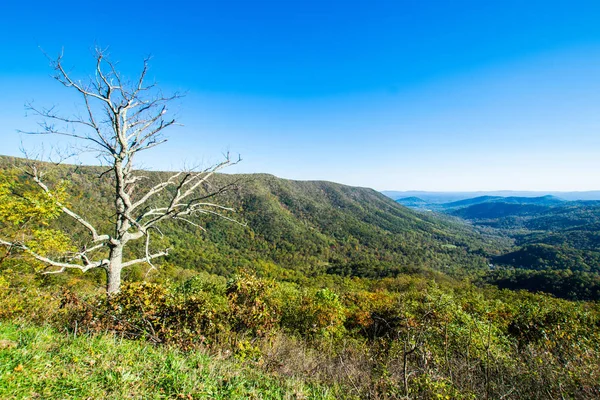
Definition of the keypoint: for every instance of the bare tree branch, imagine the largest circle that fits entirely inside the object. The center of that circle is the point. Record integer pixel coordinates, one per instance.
(62, 265)
(66, 210)
(145, 259)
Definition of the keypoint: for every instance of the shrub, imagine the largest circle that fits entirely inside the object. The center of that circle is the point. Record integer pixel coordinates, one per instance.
(253, 308)
(152, 312)
(204, 282)
(321, 313)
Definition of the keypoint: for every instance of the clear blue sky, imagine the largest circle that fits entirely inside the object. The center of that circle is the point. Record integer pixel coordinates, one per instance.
(398, 95)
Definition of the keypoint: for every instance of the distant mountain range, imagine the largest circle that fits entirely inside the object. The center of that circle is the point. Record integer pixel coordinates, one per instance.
(496, 205)
(547, 200)
(447, 197)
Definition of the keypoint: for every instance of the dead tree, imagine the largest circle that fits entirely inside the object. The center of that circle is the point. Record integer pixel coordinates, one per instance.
(121, 119)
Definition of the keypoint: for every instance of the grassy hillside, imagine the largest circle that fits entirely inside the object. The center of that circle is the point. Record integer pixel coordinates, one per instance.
(39, 362)
(249, 337)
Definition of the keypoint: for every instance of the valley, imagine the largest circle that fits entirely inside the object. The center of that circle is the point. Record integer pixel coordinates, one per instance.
(556, 241)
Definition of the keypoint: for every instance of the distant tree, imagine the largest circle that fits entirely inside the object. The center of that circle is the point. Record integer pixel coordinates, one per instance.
(121, 118)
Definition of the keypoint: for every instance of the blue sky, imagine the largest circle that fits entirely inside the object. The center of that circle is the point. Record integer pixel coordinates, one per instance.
(397, 95)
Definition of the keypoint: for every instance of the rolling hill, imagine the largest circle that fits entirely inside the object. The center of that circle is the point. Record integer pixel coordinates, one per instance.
(547, 200)
(301, 228)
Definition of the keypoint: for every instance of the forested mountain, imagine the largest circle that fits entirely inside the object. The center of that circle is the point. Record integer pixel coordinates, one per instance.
(304, 227)
(495, 210)
(301, 229)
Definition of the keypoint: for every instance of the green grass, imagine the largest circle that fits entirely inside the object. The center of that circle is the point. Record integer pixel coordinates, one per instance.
(38, 362)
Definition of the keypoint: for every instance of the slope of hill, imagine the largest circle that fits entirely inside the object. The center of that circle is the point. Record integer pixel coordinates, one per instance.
(544, 256)
(304, 228)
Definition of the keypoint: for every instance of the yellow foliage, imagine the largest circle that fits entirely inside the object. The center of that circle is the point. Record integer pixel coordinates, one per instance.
(26, 212)
(22, 202)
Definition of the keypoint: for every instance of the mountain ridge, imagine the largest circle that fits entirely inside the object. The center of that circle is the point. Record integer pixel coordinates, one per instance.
(447, 197)
(306, 227)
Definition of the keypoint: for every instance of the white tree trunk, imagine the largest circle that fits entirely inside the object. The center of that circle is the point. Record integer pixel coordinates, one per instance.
(113, 271)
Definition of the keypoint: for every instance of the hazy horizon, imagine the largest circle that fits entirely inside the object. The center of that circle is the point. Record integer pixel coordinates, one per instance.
(448, 197)
(489, 191)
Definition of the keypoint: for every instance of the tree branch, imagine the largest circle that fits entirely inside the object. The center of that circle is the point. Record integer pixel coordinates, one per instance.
(75, 216)
(146, 259)
(62, 265)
